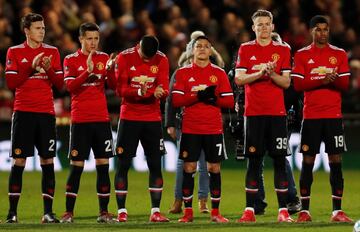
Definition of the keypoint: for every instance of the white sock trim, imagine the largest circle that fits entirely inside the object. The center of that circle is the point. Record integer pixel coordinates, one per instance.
(123, 210)
(281, 209)
(250, 208)
(335, 212)
(154, 210)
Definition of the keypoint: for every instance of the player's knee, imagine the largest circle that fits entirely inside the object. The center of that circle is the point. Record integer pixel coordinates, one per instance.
(214, 167)
(308, 159)
(190, 167)
(46, 161)
(20, 162)
(335, 158)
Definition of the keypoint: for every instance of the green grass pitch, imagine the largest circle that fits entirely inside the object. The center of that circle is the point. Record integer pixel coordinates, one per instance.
(138, 205)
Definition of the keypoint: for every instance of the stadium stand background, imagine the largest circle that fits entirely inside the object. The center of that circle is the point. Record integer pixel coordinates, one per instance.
(226, 22)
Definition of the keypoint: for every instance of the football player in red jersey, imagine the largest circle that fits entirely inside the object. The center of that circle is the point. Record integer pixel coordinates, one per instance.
(202, 89)
(142, 73)
(32, 68)
(321, 70)
(263, 67)
(86, 74)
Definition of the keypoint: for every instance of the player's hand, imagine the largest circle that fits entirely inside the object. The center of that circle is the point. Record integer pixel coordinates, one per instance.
(172, 132)
(36, 61)
(159, 92)
(90, 63)
(111, 61)
(46, 62)
(143, 89)
(331, 77)
(270, 68)
(207, 95)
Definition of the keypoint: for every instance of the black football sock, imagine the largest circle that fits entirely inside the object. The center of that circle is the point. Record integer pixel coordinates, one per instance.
(72, 186)
(280, 180)
(251, 182)
(188, 188)
(306, 179)
(215, 189)
(48, 186)
(103, 186)
(121, 181)
(337, 184)
(15, 185)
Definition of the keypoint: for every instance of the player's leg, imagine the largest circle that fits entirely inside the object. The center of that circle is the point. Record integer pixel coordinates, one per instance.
(278, 150)
(335, 145)
(103, 150)
(311, 137)
(260, 203)
(293, 201)
(203, 184)
(254, 151)
(215, 152)
(176, 206)
(153, 143)
(45, 142)
(126, 145)
(190, 148)
(22, 146)
(79, 150)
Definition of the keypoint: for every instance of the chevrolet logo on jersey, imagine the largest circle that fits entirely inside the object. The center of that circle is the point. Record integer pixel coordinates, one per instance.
(258, 67)
(321, 70)
(143, 79)
(198, 88)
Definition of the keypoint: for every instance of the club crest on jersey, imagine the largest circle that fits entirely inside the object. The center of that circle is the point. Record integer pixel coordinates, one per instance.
(321, 70)
(100, 66)
(305, 147)
(184, 154)
(17, 151)
(119, 150)
(74, 153)
(332, 60)
(213, 79)
(154, 69)
(275, 57)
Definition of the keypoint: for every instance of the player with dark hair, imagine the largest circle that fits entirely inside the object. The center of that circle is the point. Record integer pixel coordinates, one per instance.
(142, 74)
(202, 89)
(32, 68)
(321, 70)
(86, 74)
(263, 67)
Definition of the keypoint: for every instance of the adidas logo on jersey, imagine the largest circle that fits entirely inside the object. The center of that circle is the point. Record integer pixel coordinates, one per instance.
(133, 68)
(24, 60)
(81, 68)
(253, 58)
(311, 61)
(191, 79)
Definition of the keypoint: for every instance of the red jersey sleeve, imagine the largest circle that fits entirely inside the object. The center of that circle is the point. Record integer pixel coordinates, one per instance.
(55, 72)
(164, 76)
(122, 78)
(226, 96)
(342, 83)
(242, 61)
(15, 77)
(179, 96)
(73, 82)
(286, 64)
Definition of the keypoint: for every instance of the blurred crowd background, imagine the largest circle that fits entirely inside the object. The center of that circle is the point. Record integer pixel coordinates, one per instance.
(226, 22)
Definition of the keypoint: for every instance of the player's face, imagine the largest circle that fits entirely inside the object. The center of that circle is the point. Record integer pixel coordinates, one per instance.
(320, 33)
(36, 32)
(263, 27)
(202, 49)
(89, 41)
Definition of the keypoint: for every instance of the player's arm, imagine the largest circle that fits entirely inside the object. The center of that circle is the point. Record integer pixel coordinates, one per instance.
(73, 82)
(180, 97)
(14, 77)
(52, 66)
(162, 90)
(241, 78)
(343, 74)
(226, 95)
(110, 72)
(170, 111)
(282, 80)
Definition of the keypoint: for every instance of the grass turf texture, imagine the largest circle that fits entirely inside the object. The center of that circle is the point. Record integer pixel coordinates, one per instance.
(138, 205)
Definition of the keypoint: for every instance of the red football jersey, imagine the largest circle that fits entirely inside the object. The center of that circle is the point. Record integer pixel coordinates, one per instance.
(88, 101)
(311, 64)
(33, 90)
(198, 117)
(263, 97)
(132, 72)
